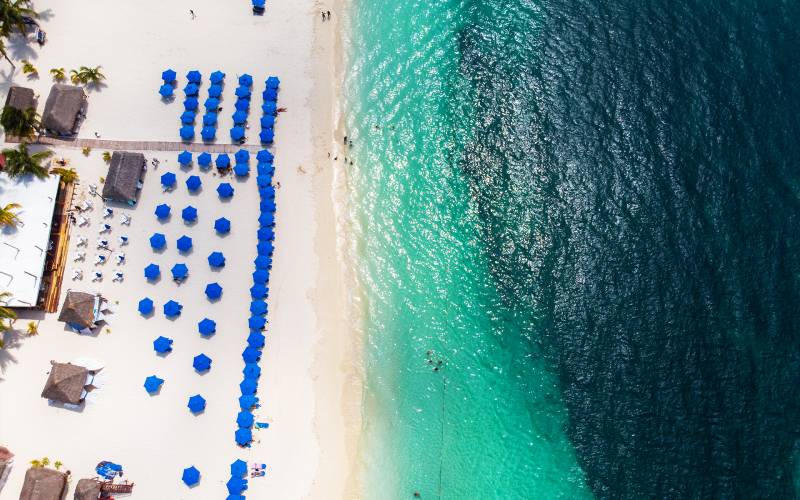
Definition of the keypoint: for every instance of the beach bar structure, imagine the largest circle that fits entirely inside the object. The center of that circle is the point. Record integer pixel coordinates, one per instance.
(81, 311)
(66, 383)
(21, 98)
(43, 484)
(63, 108)
(33, 254)
(124, 177)
(87, 489)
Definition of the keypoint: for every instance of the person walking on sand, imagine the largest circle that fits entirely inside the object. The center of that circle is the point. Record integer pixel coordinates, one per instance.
(323, 16)
(191, 13)
(329, 15)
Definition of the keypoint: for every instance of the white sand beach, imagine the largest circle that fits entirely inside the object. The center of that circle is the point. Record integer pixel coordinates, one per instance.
(309, 388)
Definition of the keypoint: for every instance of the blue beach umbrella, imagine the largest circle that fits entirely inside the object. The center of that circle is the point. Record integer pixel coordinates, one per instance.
(239, 117)
(196, 403)
(217, 77)
(204, 159)
(215, 91)
(256, 322)
(222, 225)
(187, 117)
(258, 307)
(237, 133)
(191, 476)
(194, 76)
(172, 308)
(190, 104)
(269, 108)
(168, 75)
(270, 95)
(242, 104)
(191, 90)
(242, 156)
(239, 467)
(242, 92)
(251, 370)
(267, 121)
(265, 169)
(207, 326)
(162, 344)
(189, 214)
(158, 241)
(208, 133)
(265, 248)
(184, 243)
(223, 161)
(225, 190)
(267, 206)
(179, 271)
(258, 4)
(213, 291)
(265, 156)
(241, 169)
(201, 363)
(185, 158)
(153, 384)
(210, 119)
(267, 192)
(187, 132)
(243, 437)
(267, 136)
(166, 90)
(247, 402)
(251, 355)
(193, 183)
(248, 386)
(168, 179)
(236, 485)
(152, 271)
(216, 259)
(272, 82)
(256, 339)
(211, 104)
(258, 291)
(246, 80)
(266, 220)
(263, 180)
(260, 276)
(146, 305)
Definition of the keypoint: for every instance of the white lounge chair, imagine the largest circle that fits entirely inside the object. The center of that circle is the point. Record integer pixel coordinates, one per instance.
(83, 241)
(79, 256)
(125, 219)
(99, 259)
(106, 228)
(98, 276)
(108, 212)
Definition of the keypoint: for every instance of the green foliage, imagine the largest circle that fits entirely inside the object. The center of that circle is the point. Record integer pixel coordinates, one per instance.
(20, 161)
(9, 217)
(6, 313)
(87, 75)
(58, 74)
(86, 150)
(106, 156)
(68, 175)
(28, 68)
(20, 123)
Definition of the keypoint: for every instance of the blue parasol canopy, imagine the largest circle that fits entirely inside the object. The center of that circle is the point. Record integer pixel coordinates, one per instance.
(270, 95)
(172, 308)
(243, 437)
(263, 180)
(201, 362)
(248, 386)
(242, 156)
(210, 119)
(193, 183)
(265, 248)
(184, 243)
(153, 384)
(166, 90)
(269, 108)
(191, 89)
(266, 220)
(264, 156)
(168, 75)
(267, 136)
(256, 322)
(194, 76)
(225, 190)
(146, 304)
(217, 77)
(179, 271)
(258, 307)
(267, 206)
(239, 117)
(208, 133)
(247, 402)
(256, 339)
(258, 291)
(246, 80)
(267, 121)
(158, 241)
(259, 4)
(187, 132)
(215, 91)
(187, 117)
(237, 133)
(162, 344)
(239, 467)
(267, 192)
(223, 161)
(236, 485)
(185, 157)
(168, 179)
(211, 104)
(204, 159)
(222, 225)
(213, 291)
(242, 92)
(206, 326)
(190, 104)
(260, 276)
(216, 259)
(242, 104)
(251, 355)
(191, 476)
(265, 169)
(197, 403)
(241, 169)
(189, 213)
(251, 370)
(152, 271)
(273, 82)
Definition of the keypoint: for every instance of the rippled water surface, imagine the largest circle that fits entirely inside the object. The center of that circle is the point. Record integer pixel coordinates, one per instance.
(588, 212)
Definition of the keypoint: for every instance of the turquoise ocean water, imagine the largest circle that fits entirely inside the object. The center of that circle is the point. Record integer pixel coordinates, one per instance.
(576, 232)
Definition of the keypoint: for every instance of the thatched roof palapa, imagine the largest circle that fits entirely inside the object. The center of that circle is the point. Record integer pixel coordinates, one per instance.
(78, 309)
(87, 489)
(65, 383)
(21, 98)
(43, 484)
(62, 108)
(124, 174)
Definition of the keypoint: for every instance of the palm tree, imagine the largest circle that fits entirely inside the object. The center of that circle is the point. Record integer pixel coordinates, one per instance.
(58, 74)
(68, 175)
(20, 123)
(9, 217)
(29, 69)
(74, 76)
(20, 161)
(6, 313)
(87, 75)
(13, 16)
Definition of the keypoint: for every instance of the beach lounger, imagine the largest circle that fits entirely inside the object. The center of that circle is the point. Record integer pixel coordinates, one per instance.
(79, 256)
(82, 221)
(83, 241)
(77, 274)
(98, 276)
(108, 212)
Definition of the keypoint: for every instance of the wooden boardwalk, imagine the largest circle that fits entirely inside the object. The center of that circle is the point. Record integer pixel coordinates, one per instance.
(112, 145)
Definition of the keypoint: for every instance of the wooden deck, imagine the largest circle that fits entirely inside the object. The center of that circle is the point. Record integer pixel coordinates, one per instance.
(113, 145)
(57, 257)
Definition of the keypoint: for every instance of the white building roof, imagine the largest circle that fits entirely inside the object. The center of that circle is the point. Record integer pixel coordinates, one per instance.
(23, 250)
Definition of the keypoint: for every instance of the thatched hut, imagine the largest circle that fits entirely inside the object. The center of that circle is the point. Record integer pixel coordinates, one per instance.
(124, 177)
(87, 489)
(61, 111)
(43, 484)
(21, 98)
(65, 383)
(80, 310)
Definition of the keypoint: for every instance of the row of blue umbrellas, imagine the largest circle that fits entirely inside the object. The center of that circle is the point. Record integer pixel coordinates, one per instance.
(270, 96)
